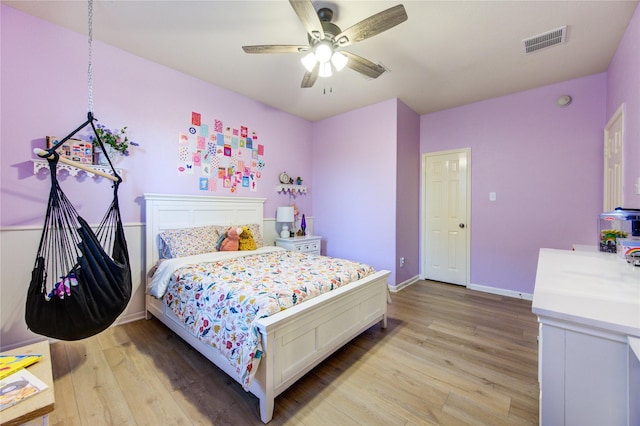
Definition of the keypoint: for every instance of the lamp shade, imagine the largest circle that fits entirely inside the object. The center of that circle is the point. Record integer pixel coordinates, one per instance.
(309, 61)
(339, 61)
(325, 69)
(284, 214)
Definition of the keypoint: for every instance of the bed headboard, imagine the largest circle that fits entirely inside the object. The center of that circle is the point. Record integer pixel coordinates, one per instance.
(168, 211)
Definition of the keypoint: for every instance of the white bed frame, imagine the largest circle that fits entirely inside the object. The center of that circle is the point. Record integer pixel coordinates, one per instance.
(295, 340)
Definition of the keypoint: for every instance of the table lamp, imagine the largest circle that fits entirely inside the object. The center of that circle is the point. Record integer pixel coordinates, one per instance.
(284, 215)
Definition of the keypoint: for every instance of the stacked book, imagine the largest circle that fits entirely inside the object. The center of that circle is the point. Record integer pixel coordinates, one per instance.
(16, 382)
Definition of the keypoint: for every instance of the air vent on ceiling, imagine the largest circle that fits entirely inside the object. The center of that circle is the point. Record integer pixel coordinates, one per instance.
(548, 39)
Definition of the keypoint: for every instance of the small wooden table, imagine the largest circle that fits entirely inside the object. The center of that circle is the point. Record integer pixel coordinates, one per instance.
(36, 408)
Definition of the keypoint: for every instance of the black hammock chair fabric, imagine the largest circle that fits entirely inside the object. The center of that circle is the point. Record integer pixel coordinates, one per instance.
(78, 288)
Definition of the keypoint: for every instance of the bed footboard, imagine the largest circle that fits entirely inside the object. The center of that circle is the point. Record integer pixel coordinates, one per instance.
(298, 339)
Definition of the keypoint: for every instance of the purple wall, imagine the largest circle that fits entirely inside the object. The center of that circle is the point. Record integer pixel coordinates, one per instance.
(623, 86)
(354, 177)
(44, 92)
(407, 194)
(366, 186)
(543, 162)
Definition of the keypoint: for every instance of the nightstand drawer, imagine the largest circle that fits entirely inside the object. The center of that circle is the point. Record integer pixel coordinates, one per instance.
(309, 244)
(308, 247)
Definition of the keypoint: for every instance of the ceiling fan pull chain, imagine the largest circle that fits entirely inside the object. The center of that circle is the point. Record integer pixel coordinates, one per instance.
(90, 69)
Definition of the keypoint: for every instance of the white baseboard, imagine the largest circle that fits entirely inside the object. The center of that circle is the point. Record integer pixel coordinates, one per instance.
(475, 287)
(135, 316)
(501, 291)
(396, 288)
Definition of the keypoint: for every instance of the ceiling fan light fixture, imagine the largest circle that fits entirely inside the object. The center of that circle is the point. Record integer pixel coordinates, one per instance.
(323, 52)
(339, 60)
(324, 38)
(309, 61)
(325, 69)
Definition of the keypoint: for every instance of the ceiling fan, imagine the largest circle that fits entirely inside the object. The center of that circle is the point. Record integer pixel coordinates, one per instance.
(326, 41)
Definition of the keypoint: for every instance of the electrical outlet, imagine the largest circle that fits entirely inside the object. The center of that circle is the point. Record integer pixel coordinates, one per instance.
(402, 261)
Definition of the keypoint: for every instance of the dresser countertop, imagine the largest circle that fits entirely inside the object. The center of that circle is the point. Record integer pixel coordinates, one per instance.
(588, 287)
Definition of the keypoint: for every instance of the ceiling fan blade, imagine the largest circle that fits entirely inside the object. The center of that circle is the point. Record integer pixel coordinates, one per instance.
(266, 48)
(309, 17)
(310, 77)
(363, 66)
(373, 25)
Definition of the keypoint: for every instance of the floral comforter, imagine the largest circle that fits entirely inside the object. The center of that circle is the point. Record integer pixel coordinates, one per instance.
(220, 300)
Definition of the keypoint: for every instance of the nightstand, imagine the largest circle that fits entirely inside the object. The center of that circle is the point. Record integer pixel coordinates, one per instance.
(307, 244)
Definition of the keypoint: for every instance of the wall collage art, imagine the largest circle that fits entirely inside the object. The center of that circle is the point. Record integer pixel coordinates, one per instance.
(223, 157)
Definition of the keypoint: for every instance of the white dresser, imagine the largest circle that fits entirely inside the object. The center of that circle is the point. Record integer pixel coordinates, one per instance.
(307, 244)
(588, 307)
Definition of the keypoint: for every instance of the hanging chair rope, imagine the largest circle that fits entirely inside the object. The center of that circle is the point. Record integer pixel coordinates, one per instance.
(81, 280)
(90, 67)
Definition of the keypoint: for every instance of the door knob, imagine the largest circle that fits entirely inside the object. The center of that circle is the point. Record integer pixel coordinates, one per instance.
(461, 225)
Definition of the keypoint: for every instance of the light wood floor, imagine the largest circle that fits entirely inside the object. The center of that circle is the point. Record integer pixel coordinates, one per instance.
(450, 356)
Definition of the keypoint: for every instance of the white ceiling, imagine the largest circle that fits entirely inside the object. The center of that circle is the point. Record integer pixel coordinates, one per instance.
(447, 54)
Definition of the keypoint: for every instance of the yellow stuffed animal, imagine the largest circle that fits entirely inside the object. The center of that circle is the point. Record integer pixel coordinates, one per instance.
(246, 240)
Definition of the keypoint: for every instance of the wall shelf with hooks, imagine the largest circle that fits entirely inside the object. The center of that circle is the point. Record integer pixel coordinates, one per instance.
(299, 189)
(73, 171)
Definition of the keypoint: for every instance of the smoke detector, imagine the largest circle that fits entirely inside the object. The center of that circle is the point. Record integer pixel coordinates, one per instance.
(563, 101)
(544, 40)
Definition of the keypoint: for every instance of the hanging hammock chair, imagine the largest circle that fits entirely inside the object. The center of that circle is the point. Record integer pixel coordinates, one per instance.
(81, 280)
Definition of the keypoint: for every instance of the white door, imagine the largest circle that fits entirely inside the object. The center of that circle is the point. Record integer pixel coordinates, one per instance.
(613, 161)
(445, 207)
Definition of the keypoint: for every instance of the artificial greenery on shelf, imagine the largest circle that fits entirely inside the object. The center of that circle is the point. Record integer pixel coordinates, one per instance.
(118, 139)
